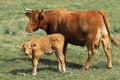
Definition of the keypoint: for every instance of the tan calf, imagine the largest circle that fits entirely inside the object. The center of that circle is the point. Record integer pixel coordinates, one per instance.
(48, 44)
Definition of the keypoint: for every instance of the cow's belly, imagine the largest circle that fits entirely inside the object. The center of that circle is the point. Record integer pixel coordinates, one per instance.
(76, 40)
(72, 34)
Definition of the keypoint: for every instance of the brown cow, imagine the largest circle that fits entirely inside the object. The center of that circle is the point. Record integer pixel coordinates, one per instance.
(48, 44)
(80, 28)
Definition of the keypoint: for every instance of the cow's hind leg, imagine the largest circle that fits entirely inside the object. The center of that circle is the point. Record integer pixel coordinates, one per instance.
(106, 47)
(90, 54)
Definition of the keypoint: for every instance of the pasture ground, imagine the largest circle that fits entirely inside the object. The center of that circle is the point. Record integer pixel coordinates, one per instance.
(14, 65)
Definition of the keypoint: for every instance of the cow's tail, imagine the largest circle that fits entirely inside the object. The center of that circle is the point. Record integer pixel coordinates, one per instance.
(106, 21)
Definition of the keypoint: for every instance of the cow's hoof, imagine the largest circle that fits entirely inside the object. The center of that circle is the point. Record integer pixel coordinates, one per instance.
(109, 67)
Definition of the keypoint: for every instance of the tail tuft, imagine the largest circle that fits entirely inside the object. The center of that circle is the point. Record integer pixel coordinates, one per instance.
(113, 40)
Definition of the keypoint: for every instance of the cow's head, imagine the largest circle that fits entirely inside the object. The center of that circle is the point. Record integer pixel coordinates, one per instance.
(35, 20)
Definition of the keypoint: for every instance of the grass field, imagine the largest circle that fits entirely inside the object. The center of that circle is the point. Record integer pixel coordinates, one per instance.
(16, 66)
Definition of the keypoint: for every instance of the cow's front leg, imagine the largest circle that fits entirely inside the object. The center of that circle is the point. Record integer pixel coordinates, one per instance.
(64, 50)
(90, 54)
(34, 64)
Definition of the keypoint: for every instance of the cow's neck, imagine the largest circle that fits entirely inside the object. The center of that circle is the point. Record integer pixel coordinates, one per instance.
(48, 30)
(46, 27)
(50, 23)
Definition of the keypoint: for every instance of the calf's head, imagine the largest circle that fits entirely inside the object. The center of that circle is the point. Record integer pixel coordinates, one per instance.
(28, 49)
(35, 20)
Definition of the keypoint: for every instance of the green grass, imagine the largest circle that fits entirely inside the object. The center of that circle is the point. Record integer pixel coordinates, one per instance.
(13, 64)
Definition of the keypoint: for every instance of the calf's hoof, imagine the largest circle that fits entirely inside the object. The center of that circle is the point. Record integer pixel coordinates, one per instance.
(86, 67)
(34, 74)
(63, 71)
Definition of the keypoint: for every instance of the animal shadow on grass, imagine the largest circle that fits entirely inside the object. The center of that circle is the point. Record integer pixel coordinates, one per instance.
(54, 63)
(44, 62)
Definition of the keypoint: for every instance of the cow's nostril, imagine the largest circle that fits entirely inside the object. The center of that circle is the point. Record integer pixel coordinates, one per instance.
(27, 30)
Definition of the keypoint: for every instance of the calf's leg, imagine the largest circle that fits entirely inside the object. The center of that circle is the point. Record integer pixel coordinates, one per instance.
(59, 64)
(61, 61)
(34, 64)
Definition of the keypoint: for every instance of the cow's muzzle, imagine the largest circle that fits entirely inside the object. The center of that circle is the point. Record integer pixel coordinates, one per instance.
(29, 30)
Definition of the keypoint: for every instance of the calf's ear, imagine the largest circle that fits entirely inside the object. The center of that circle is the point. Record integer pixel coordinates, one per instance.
(20, 45)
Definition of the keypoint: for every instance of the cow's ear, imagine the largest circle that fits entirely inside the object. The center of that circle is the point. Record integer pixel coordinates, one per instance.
(40, 17)
(20, 45)
(28, 14)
